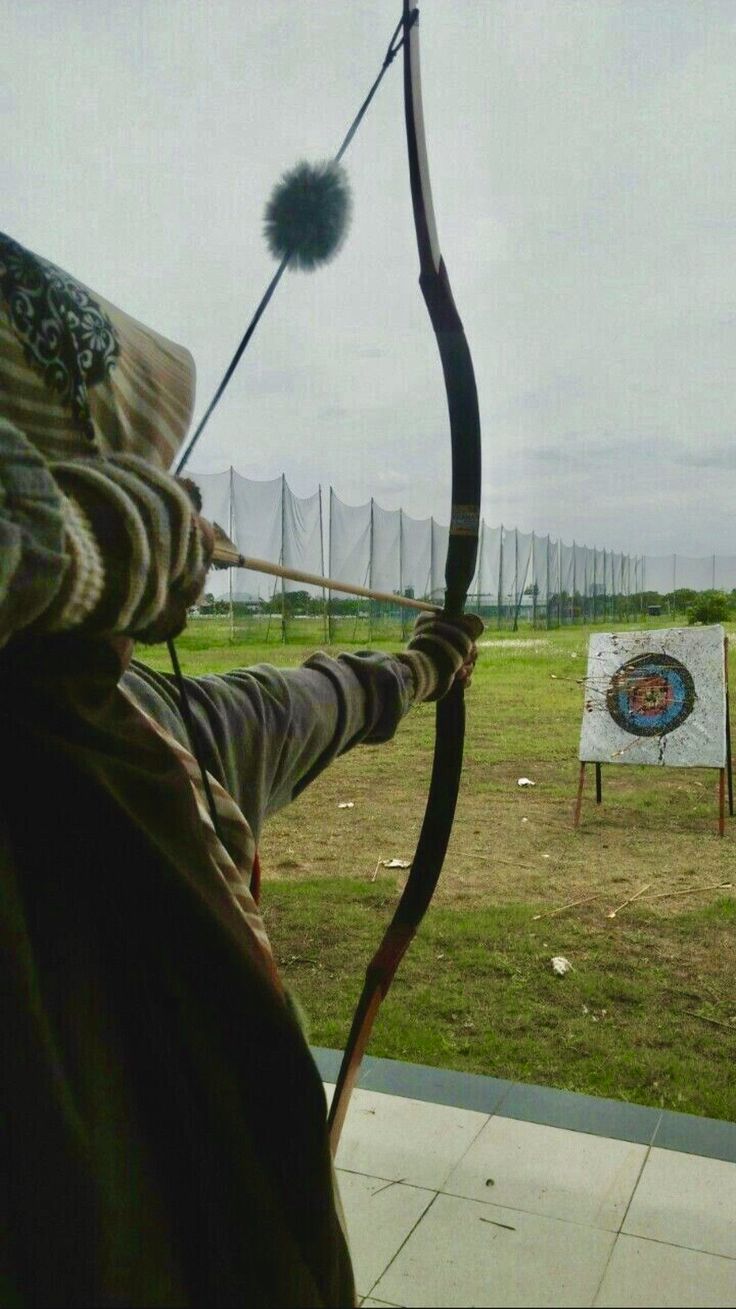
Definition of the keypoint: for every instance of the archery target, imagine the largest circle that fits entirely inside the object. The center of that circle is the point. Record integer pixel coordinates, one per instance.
(656, 697)
(650, 695)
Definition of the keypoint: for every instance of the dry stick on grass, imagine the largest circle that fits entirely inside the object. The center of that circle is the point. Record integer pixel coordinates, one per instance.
(549, 913)
(375, 870)
(612, 912)
(515, 863)
(731, 1027)
(690, 890)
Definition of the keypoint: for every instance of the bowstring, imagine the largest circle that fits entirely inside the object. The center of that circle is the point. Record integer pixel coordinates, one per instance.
(392, 50)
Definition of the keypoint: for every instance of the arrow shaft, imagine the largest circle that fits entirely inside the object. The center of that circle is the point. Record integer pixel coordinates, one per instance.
(225, 556)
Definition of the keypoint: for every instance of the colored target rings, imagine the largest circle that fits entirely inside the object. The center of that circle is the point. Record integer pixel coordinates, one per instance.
(651, 695)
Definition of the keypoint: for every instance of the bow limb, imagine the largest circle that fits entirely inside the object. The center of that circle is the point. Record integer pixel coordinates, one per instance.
(462, 401)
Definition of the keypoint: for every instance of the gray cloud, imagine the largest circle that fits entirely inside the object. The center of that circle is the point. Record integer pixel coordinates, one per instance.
(582, 160)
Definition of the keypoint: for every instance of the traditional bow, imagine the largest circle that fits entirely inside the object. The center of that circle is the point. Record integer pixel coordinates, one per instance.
(462, 400)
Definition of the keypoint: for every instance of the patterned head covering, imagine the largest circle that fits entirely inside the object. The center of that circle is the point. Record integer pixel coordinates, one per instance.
(77, 375)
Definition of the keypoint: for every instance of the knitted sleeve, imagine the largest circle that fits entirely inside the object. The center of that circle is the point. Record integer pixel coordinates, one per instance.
(146, 529)
(35, 525)
(105, 544)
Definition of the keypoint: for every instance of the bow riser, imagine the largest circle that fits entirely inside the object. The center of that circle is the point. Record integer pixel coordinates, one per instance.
(462, 401)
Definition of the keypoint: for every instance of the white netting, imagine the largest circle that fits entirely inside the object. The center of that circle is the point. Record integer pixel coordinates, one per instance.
(350, 541)
(257, 532)
(216, 501)
(485, 582)
(416, 556)
(440, 537)
(302, 538)
(518, 576)
(385, 567)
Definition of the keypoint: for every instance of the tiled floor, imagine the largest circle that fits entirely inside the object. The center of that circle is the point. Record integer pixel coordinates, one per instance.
(449, 1205)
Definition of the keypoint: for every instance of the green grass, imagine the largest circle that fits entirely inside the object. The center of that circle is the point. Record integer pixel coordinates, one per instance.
(476, 990)
(477, 993)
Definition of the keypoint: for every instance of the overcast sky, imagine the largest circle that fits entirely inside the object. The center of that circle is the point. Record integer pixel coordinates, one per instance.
(583, 168)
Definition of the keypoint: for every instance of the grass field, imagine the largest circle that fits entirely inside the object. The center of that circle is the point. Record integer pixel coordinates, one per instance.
(648, 1012)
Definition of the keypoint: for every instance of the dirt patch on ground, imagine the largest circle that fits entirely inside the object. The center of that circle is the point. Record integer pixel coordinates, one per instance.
(511, 844)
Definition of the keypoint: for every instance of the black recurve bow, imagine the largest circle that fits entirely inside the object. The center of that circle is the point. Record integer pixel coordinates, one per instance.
(462, 401)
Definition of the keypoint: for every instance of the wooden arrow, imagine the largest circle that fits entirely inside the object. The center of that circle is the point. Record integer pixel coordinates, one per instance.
(227, 555)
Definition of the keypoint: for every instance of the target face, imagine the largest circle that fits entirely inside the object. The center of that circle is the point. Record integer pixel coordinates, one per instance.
(656, 697)
(651, 695)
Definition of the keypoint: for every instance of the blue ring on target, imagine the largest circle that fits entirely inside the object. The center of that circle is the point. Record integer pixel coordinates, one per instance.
(651, 695)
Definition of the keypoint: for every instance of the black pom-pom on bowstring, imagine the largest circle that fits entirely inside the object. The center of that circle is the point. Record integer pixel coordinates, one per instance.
(308, 214)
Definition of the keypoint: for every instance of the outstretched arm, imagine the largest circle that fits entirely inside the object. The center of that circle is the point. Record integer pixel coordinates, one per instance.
(265, 733)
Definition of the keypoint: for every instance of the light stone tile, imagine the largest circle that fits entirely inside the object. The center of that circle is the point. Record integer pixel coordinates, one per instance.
(649, 1273)
(405, 1140)
(467, 1253)
(379, 1215)
(686, 1200)
(549, 1170)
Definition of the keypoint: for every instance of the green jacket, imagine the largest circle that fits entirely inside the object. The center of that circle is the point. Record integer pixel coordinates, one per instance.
(163, 1121)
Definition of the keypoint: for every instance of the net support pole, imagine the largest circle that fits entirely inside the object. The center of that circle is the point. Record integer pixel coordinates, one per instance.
(325, 617)
(500, 577)
(521, 591)
(549, 624)
(401, 570)
(282, 561)
(371, 531)
(330, 566)
(230, 529)
(534, 583)
(481, 542)
(595, 582)
(516, 579)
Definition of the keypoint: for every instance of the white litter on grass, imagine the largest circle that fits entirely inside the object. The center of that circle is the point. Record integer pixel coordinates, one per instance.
(561, 965)
(346, 804)
(525, 781)
(390, 863)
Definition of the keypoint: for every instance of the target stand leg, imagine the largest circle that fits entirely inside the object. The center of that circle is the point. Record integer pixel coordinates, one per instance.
(729, 756)
(722, 802)
(729, 762)
(598, 784)
(579, 799)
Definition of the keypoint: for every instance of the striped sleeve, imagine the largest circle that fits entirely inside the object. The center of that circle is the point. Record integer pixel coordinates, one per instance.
(33, 558)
